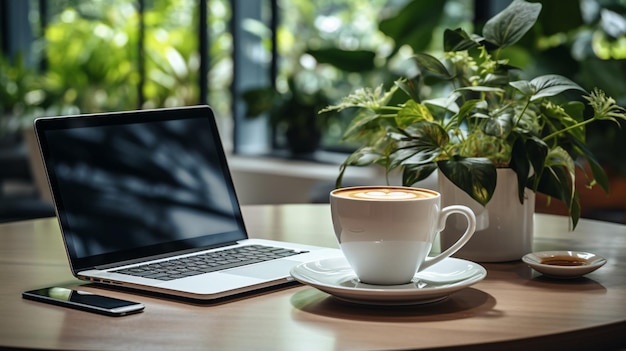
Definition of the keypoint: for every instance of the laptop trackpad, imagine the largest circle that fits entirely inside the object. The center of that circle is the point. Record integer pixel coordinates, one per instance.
(267, 270)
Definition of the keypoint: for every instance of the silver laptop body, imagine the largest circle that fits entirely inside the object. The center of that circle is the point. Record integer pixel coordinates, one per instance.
(132, 188)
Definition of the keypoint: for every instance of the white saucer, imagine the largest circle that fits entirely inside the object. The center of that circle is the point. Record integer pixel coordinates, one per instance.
(589, 263)
(335, 276)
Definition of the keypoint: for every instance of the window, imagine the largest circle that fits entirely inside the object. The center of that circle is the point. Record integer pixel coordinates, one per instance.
(323, 50)
(103, 55)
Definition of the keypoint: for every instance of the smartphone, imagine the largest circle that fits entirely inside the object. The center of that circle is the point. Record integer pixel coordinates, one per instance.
(83, 300)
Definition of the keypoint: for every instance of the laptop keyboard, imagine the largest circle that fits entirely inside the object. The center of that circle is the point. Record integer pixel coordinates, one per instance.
(208, 262)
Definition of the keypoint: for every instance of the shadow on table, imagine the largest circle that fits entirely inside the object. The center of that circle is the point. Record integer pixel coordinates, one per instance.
(534, 279)
(582, 283)
(465, 303)
(524, 275)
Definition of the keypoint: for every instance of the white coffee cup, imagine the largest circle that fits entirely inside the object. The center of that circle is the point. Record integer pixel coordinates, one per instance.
(387, 232)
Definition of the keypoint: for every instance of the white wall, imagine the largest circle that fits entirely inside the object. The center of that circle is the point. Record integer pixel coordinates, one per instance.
(260, 180)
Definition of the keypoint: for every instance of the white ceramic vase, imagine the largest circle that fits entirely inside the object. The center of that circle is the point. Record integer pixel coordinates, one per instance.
(504, 228)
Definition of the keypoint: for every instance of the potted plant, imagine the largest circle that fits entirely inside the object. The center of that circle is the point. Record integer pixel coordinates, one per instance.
(471, 114)
(293, 111)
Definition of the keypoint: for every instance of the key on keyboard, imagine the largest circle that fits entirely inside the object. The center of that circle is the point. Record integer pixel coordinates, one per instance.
(208, 262)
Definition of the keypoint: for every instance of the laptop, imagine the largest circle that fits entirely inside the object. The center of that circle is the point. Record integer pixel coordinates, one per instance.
(139, 194)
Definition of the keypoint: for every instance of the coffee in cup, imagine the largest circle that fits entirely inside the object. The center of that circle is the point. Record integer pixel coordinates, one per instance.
(387, 232)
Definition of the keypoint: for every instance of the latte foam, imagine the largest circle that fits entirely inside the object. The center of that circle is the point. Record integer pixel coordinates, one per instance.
(383, 194)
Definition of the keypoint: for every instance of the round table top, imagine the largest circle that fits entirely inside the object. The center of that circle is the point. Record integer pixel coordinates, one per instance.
(514, 307)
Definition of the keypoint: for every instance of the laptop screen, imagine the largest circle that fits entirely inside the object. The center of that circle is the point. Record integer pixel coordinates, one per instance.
(136, 184)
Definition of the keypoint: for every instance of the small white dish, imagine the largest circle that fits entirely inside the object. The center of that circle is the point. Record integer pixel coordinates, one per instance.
(335, 276)
(564, 264)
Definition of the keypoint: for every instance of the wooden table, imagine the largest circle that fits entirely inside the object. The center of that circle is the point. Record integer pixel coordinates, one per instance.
(513, 308)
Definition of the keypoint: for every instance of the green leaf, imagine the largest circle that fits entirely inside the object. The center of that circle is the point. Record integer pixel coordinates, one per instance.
(562, 119)
(428, 133)
(551, 183)
(346, 60)
(432, 64)
(411, 87)
(476, 176)
(551, 85)
(536, 151)
(412, 112)
(523, 86)
(364, 156)
(511, 24)
(413, 173)
(545, 86)
(500, 125)
(496, 79)
(464, 111)
(422, 143)
(457, 40)
(557, 156)
(481, 89)
(575, 209)
(362, 118)
(521, 165)
(599, 175)
(447, 103)
(414, 156)
(558, 181)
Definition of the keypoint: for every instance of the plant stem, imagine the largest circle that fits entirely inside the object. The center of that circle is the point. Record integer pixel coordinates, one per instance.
(387, 115)
(559, 132)
(519, 118)
(391, 108)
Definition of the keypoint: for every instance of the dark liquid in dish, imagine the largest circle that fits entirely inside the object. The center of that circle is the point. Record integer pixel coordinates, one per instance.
(564, 261)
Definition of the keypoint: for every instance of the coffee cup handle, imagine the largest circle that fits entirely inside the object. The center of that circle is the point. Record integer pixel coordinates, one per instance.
(471, 228)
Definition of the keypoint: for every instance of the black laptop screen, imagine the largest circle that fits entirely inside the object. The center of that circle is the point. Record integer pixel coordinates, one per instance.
(133, 185)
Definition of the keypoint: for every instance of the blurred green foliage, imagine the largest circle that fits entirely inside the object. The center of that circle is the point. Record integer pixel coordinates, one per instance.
(330, 47)
(92, 55)
(18, 92)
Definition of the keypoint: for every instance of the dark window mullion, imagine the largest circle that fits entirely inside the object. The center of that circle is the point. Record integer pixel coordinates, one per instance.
(141, 57)
(233, 88)
(274, 22)
(4, 28)
(43, 24)
(203, 45)
(16, 31)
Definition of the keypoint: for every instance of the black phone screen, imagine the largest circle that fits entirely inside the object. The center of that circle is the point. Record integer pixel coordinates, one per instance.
(83, 300)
